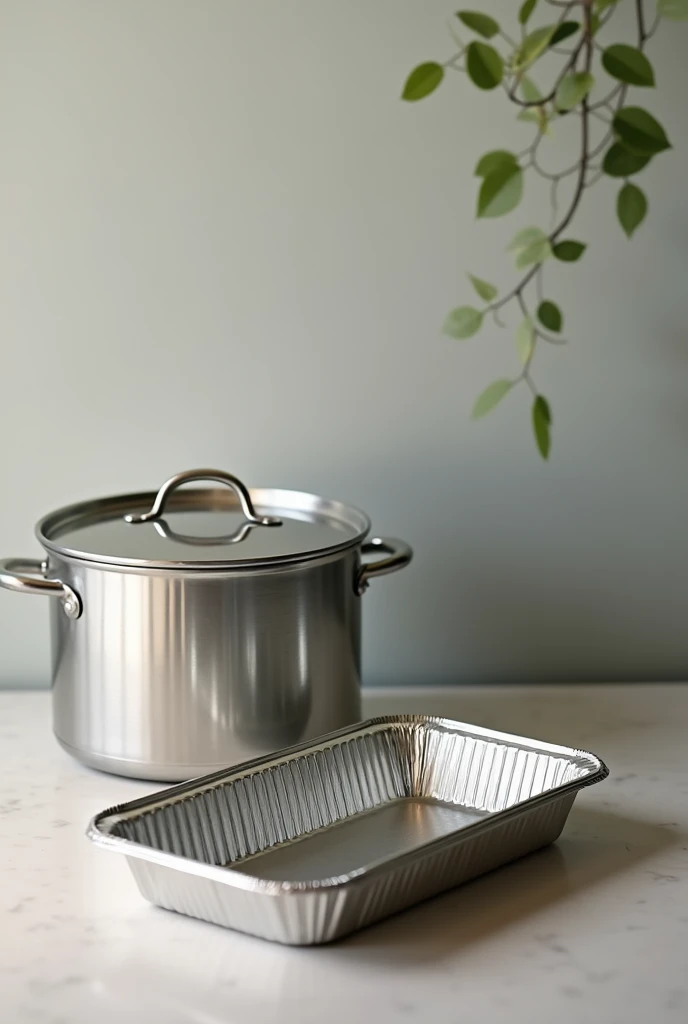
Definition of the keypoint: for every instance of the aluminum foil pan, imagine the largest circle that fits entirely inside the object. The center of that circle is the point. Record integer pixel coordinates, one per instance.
(310, 844)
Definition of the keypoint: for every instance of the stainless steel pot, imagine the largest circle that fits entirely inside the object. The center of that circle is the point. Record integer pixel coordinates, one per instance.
(197, 628)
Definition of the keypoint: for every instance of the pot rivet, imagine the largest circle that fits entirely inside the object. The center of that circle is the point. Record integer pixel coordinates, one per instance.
(71, 605)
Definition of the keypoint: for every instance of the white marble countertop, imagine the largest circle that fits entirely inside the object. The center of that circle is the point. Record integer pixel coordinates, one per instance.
(594, 928)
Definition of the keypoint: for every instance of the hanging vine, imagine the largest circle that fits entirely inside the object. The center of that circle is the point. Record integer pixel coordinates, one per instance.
(631, 138)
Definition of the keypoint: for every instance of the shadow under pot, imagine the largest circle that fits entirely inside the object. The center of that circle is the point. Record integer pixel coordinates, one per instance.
(196, 628)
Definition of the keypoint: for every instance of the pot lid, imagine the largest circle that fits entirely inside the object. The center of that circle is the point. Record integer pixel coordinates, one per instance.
(203, 528)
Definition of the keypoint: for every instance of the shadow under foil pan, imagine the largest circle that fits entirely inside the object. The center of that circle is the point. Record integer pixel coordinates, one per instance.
(309, 844)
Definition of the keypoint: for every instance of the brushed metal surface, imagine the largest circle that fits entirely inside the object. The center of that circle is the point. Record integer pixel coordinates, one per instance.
(305, 846)
(196, 628)
(168, 676)
(354, 843)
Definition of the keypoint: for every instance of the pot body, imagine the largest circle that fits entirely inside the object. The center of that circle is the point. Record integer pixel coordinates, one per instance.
(167, 675)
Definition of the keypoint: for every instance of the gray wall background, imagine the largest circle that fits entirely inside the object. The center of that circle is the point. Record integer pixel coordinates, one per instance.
(224, 241)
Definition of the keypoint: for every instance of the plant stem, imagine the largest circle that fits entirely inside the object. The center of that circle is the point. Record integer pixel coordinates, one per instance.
(641, 21)
(655, 26)
(570, 63)
(582, 164)
(526, 376)
(452, 62)
(526, 366)
(580, 184)
(607, 99)
(548, 339)
(554, 201)
(517, 291)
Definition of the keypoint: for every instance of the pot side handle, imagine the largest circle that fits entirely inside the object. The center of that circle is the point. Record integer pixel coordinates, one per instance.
(12, 577)
(398, 555)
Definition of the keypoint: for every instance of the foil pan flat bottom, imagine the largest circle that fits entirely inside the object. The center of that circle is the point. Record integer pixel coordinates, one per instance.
(370, 837)
(309, 844)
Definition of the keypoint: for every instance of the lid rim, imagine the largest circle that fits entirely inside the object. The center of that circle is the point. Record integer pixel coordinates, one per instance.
(286, 561)
(100, 510)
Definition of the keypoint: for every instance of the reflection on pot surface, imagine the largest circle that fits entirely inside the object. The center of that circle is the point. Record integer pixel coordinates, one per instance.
(197, 628)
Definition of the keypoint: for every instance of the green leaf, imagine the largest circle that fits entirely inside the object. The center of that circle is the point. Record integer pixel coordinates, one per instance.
(491, 161)
(526, 10)
(484, 65)
(501, 191)
(531, 245)
(542, 420)
(569, 250)
(538, 116)
(639, 131)
(486, 291)
(529, 90)
(675, 10)
(573, 89)
(525, 339)
(631, 207)
(533, 46)
(602, 5)
(422, 81)
(563, 31)
(619, 162)
(491, 396)
(524, 237)
(462, 322)
(480, 23)
(595, 22)
(536, 253)
(628, 65)
(550, 316)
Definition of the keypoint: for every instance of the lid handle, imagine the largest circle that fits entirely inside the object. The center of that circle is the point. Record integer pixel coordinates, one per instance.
(215, 475)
